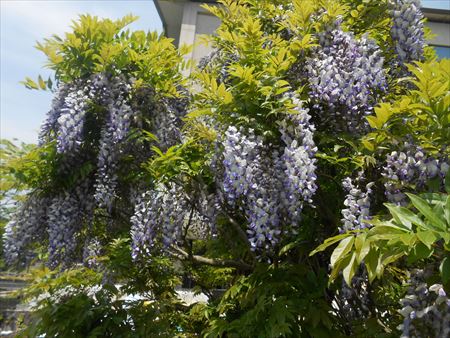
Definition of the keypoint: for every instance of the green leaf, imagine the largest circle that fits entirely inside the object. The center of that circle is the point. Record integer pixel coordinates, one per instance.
(434, 198)
(49, 83)
(386, 231)
(338, 268)
(30, 84)
(342, 249)
(328, 242)
(447, 210)
(350, 269)
(354, 13)
(403, 216)
(420, 251)
(41, 82)
(372, 260)
(287, 248)
(427, 237)
(362, 246)
(444, 268)
(425, 209)
(408, 239)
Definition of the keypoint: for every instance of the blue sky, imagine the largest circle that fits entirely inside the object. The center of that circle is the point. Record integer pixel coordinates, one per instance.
(25, 22)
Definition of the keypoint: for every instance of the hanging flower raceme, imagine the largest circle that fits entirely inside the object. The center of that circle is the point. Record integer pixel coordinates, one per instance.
(407, 31)
(113, 134)
(70, 123)
(357, 203)
(50, 123)
(160, 214)
(262, 201)
(239, 153)
(426, 310)
(411, 167)
(269, 182)
(164, 215)
(104, 103)
(92, 250)
(64, 222)
(298, 162)
(167, 121)
(26, 226)
(346, 79)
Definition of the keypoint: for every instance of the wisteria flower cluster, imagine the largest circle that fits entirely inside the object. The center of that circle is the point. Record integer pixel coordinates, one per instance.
(412, 166)
(167, 120)
(91, 251)
(220, 61)
(71, 119)
(64, 223)
(270, 183)
(60, 218)
(113, 134)
(357, 203)
(407, 31)
(355, 299)
(57, 219)
(426, 309)
(299, 164)
(346, 79)
(27, 225)
(161, 214)
(50, 123)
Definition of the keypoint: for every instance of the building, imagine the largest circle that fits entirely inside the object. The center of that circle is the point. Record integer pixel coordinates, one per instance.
(185, 21)
(439, 23)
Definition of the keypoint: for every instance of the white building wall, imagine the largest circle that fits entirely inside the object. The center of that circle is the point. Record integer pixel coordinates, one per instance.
(195, 23)
(441, 31)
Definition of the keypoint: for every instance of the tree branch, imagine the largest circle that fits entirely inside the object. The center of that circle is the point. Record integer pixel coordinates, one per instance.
(238, 228)
(213, 261)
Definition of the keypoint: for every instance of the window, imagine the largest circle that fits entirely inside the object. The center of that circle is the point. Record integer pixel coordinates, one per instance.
(442, 52)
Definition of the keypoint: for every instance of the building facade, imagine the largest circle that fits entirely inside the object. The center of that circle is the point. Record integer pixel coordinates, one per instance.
(186, 21)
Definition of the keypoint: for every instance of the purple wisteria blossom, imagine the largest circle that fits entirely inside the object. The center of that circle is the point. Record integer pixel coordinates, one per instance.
(58, 104)
(411, 168)
(113, 134)
(167, 121)
(426, 309)
(357, 203)
(262, 201)
(91, 251)
(160, 214)
(64, 222)
(407, 31)
(270, 182)
(70, 123)
(346, 79)
(299, 164)
(240, 151)
(26, 226)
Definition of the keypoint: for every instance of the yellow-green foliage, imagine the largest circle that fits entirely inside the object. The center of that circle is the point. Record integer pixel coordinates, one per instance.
(422, 112)
(103, 45)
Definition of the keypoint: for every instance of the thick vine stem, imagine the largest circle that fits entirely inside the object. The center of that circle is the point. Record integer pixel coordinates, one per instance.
(180, 253)
(238, 229)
